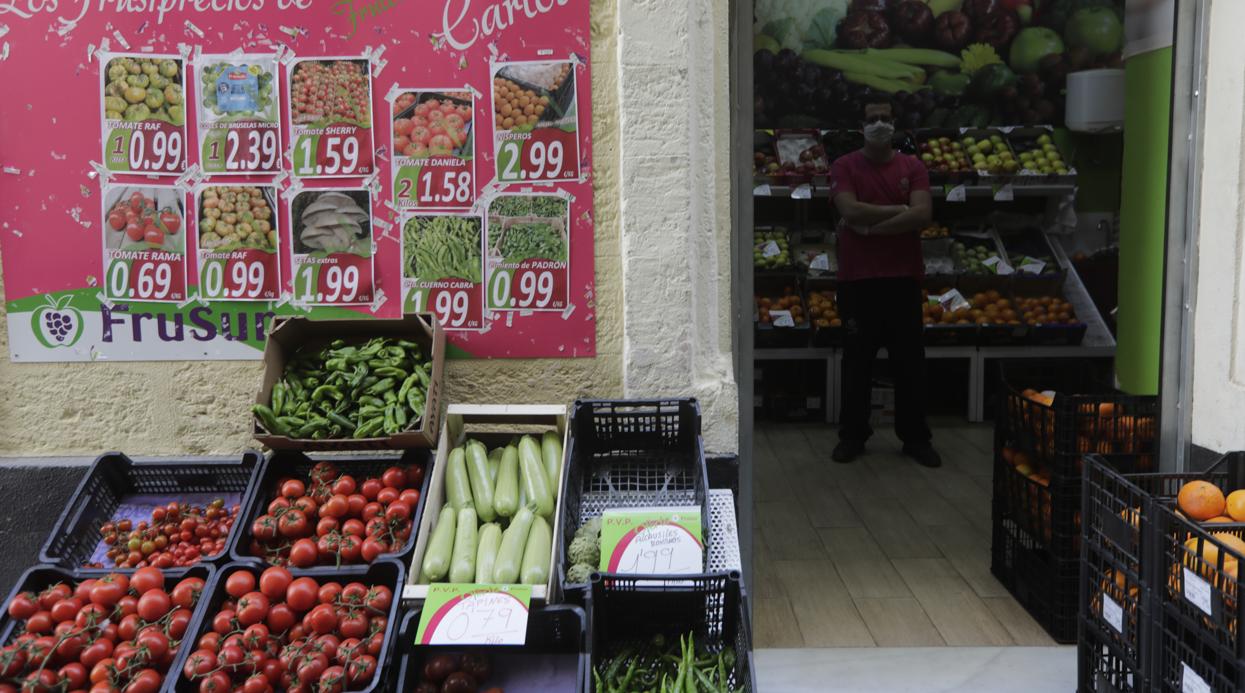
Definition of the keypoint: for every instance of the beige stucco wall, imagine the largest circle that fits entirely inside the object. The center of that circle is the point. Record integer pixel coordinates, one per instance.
(202, 407)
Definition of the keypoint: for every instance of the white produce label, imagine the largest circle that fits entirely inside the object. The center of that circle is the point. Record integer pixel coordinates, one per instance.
(1190, 682)
(821, 262)
(770, 250)
(1197, 591)
(1113, 614)
(781, 318)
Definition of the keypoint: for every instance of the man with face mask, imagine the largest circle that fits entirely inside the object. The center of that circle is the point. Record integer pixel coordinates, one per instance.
(883, 201)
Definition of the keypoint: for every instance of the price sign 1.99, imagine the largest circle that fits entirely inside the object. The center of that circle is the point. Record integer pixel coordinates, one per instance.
(339, 279)
(458, 305)
(532, 285)
(545, 154)
(247, 274)
(145, 275)
(242, 148)
(152, 146)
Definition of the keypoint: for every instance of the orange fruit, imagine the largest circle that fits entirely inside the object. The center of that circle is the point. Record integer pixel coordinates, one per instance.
(1201, 500)
(1219, 519)
(1236, 505)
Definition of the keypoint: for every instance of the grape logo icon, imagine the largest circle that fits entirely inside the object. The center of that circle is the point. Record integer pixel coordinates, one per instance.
(57, 324)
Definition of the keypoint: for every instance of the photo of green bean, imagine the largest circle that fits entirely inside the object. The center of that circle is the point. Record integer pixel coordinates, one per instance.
(442, 247)
(532, 239)
(526, 227)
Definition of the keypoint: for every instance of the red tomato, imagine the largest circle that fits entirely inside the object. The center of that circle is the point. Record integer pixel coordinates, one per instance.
(370, 488)
(252, 608)
(178, 622)
(23, 606)
(199, 664)
(154, 604)
(134, 231)
(415, 476)
(306, 504)
(372, 510)
(108, 590)
(116, 220)
(395, 477)
(379, 598)
(312, 667)
(274, 581)
(264, 527)
(278, 504)
(374, 643)
(255, 637)
(70, 646)
(186, 592)
(127, 605)
(372, 548)
(40, 622)
(350, 548)
(357, 503)
(156, 642)
(337, 506)
(239, 583)
(410, 496)
(280, 618)
(74, 674)
(293, 523)
(303, 553)
(397, 511)
(153, 235)
(333, 680)
(353, 625)
(329, 593)
(57, 592)
(210, 641)
(293, 488)
(302, 594)
(222, 622)
(323, 472)
(137, 201)
(326, 525)
(344, 485)
(402, 126)
(95, 652)
(362, 669)
(66, 609)
(145, 681)
(216, 683)
(170, 220)
(256, 683)
(127, 628)
(322, 619)
(353, 526)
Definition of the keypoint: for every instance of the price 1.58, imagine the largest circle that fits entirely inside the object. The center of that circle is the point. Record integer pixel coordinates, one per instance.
(436, 188)
(159, 151)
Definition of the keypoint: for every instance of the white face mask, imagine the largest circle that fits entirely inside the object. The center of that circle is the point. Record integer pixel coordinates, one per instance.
(879, 132)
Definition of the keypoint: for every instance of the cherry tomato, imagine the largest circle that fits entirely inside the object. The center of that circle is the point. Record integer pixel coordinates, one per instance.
(102, 670)
(154, 604)
(256, 683)
(303, 553)
(374, 643)
(326, 525)
(127, 627)
(70, 646)
(274, 581)
(302, 594)
(293, 488)
(210, 641)
(83, 590)
(355, 527)
(350, 548)
(239, 583)
(252, 608)
(394, 477)
(146, 579)
(255, 637)
(312, 667)
(280, 618)
(186, 592)
(126, 605)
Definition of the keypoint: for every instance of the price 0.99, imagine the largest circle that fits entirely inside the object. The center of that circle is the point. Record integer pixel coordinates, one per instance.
(148, 281)
(151, 150)
(534, 289)
(246, 280)
(542, 161)
(249, 150)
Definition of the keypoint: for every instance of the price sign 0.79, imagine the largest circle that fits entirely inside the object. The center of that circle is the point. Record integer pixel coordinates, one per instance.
(144, 114)
(466, 614)
(331, 118)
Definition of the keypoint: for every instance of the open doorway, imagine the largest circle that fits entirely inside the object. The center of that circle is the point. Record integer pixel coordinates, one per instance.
(1036, 262)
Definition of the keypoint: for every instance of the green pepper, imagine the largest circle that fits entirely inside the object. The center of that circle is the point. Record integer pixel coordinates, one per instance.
(369, 411)
(269, 420)
(341, 421)
(390, 397)
(370, 427)
(390, 372)
(415, 398)
(326, 391)
(407, 385)
(278, 398)
(399, 415)
(382, 385)
(374, 401)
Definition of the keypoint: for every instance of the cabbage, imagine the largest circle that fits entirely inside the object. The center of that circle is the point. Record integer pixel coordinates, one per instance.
(800, 24)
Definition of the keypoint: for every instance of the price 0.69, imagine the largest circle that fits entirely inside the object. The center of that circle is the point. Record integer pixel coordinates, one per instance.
(144, 280)
(150, 150)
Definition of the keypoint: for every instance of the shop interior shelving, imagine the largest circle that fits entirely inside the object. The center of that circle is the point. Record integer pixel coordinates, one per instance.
(1097, 343)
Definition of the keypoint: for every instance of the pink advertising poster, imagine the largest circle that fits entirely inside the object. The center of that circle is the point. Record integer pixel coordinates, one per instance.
(176, 173)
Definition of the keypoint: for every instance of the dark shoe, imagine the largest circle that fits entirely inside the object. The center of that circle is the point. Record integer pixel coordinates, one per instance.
(924, 454)
(847, 450)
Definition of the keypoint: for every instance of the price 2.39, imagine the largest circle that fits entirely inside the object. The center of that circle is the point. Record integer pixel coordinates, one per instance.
(341, 156)
(454, 188)
(534, 289)
(151, 150)
(249, 150)
(339, 285)
(152, 280)
(543, 161)
(246, 280)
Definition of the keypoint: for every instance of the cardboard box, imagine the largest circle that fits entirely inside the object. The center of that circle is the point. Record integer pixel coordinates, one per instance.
(290, 334)
(494, 425)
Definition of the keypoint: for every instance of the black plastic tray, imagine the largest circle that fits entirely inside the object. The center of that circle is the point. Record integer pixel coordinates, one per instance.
(554, 629)
(631, 609)
(114, 477)
(40, 577)
(630, 453)
(389, 573)
(293, 463)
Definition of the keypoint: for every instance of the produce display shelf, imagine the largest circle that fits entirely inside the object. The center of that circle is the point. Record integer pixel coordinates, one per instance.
(723, 545)
(1019, 189)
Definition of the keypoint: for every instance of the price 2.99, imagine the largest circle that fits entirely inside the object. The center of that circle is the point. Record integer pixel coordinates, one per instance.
(543, 161)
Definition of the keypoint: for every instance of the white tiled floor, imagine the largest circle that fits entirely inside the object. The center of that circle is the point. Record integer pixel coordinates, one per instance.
(917, 670)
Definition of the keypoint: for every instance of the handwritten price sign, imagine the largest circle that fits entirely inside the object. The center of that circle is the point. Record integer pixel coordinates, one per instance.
(652, 541)
(152, 146)
(241, 148)
(247, 274)
(341, 279)
(545, 154)
(474, 615)
(533, 284)
(145, 275)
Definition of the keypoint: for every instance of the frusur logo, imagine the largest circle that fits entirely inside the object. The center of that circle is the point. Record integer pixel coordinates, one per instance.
(56, 323)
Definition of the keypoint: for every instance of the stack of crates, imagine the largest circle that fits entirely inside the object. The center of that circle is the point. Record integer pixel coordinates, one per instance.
(1049, 419)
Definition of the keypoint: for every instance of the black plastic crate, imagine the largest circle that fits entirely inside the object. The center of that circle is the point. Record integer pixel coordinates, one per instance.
(1047, 511)
(40, 577)
(627, 454)
(949, 335)
(296, 464)
(115, 483)
(1186, 662)
(1086, 416)
(389, 573)
(630, 610)
(1104, 668)
(557, 637)
(1200, 586)
(1047, 587)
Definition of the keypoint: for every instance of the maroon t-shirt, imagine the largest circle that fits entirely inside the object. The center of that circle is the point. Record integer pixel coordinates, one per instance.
(891, 183)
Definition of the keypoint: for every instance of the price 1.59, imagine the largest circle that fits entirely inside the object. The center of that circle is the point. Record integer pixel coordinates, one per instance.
(146, 280)
(244, 150)
(333, 155)
(157, 151)
(341, 283)
(525, 289)
(238, 278)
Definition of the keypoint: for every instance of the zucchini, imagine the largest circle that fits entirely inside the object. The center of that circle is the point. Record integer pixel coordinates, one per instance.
(463, 558)
(488, 543)
(440, 546)
(481, 484)
(494, 464)
(513, 541)
(506, 495)
(457, 484)
(535, 568)
(551, 453)
(535, 482)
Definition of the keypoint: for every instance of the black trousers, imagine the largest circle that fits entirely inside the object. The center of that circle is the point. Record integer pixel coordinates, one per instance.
(883, 313)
